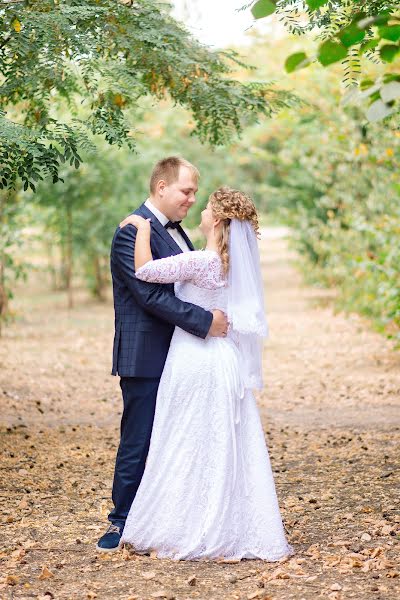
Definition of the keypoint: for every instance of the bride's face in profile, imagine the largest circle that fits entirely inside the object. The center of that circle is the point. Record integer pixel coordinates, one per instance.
(207, 220)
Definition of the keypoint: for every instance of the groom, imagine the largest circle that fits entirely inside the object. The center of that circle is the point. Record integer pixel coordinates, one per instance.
(145, 317)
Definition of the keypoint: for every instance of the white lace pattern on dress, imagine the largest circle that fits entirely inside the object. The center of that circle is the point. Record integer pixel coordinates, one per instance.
(201, 267)
(208, 489)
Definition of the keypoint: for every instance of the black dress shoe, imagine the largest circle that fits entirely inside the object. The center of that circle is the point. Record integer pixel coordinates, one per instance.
(111, 540)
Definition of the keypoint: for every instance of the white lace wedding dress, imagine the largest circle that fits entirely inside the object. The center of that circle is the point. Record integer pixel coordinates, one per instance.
(208, 490)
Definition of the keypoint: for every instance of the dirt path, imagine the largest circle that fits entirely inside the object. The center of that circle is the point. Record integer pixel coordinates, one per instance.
(331, 413)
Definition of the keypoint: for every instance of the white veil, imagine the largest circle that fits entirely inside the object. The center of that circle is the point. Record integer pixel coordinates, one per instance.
(246, 312)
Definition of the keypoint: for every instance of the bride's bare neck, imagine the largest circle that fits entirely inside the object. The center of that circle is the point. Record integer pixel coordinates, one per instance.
(212, 240)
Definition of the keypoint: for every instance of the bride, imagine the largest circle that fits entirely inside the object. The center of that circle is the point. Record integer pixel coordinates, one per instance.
(208, 490)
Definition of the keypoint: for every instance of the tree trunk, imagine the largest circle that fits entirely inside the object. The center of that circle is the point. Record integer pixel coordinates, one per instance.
(3, 291)
(52, 266)
(99, 286)
(69, 257)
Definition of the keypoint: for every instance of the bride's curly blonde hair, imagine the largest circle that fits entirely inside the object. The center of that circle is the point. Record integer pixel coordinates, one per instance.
(228, 204)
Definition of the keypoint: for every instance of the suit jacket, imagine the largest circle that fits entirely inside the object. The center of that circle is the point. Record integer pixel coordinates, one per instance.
(147, 313)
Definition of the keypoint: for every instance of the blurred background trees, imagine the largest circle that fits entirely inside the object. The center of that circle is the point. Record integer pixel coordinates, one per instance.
(74, 73)
(320, 167)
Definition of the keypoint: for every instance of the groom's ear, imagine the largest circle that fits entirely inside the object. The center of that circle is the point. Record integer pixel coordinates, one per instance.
(161, 185)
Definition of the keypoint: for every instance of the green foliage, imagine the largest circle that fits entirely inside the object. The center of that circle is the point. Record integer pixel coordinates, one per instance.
(11, 268)
(98, 59)
(295, 61)
(315, 4)
(349, 30)
(334, 178)
(81, 213)
(388, 52)
(330, 52)
(263, 8)
(330, 175)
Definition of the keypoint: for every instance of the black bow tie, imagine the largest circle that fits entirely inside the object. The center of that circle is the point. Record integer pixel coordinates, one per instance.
(172, 225)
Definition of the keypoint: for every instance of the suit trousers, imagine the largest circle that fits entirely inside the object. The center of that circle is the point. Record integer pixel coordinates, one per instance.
(139, 397)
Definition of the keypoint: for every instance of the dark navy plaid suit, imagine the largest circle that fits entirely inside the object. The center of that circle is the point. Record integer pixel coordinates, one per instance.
(145, 317)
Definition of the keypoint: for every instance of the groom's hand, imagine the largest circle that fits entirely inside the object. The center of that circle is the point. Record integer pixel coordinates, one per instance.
(219, 325)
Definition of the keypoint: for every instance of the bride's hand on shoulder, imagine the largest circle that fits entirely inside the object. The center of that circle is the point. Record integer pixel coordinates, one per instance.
(137, 221)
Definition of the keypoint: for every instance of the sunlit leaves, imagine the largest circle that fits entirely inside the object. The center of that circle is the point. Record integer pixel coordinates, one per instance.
(350, 31)
(16, 25)
(106, 56)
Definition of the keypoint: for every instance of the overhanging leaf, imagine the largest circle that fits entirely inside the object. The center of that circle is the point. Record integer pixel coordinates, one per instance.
(391, 77)
(351, 35)
(314, 4)
(298, 60)
(366, 83)
(263, 8)
(390, 32)
(369, 45)
(388, 52)
(330, 52)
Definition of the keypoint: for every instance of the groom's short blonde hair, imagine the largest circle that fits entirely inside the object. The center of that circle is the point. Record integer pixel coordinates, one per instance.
(168, 170)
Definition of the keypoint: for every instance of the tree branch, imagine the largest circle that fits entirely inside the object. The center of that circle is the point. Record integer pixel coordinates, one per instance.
(4, 42)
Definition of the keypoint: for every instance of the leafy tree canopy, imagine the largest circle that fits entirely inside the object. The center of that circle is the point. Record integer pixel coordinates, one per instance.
(348, 31)
(99, 58)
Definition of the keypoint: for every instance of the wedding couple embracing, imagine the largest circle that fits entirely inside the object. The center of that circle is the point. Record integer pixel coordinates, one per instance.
(192, 477)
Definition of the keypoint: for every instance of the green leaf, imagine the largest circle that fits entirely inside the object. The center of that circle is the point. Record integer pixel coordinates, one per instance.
(351, 35)
(369, 45)
(388, 77)
(315, 4)
(388, 52)
(366, 83)
(390, 32)
(298, 60)
(263, 8)
(330, 52)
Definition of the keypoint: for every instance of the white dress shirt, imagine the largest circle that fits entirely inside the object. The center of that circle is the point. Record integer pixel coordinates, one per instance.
(174, 233)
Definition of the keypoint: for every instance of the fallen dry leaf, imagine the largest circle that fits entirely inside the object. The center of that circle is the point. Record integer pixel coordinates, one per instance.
(46, 573)
(163, 594)
(336, 586)
(148, 574)
(12, 579)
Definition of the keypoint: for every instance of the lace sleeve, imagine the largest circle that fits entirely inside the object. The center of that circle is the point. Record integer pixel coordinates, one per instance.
(201, 267)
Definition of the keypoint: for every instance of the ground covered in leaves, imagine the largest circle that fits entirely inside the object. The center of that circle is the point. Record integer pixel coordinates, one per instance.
(330, 408)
